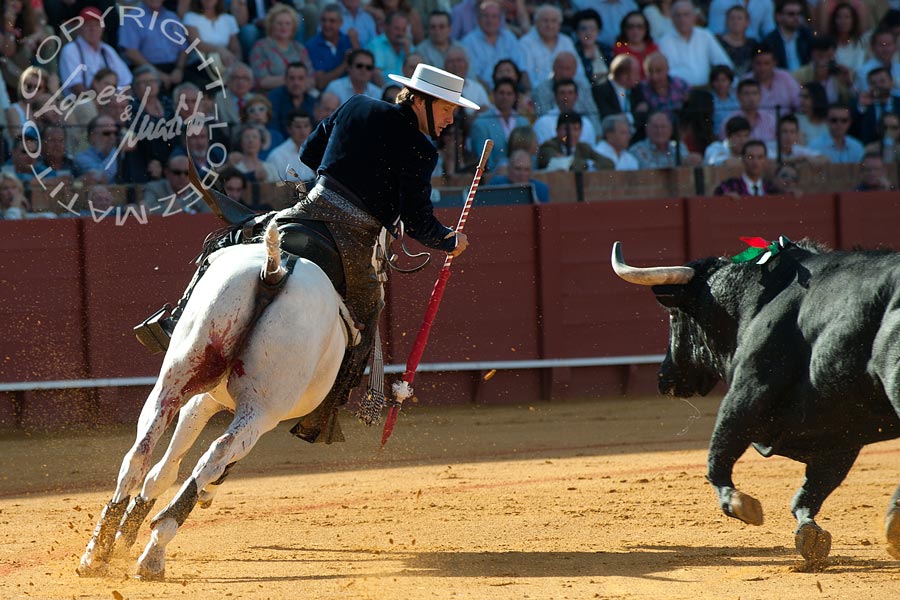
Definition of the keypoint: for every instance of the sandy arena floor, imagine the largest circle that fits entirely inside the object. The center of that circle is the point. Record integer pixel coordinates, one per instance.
(577, 500)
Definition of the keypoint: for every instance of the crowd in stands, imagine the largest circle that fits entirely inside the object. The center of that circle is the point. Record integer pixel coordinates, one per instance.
(99, 94)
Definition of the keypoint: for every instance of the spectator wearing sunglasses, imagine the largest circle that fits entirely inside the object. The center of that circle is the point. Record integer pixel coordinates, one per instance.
(173, 194)
(360, 67)
(258, 111)
(97, 164)
(836, 144)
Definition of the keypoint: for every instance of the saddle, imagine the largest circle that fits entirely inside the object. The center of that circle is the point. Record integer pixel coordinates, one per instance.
(312, 241)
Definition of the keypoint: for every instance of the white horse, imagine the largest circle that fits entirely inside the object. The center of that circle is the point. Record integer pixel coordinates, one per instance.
(280, 367)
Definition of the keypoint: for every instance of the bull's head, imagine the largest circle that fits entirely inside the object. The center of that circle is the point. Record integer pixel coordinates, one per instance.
(690, 368)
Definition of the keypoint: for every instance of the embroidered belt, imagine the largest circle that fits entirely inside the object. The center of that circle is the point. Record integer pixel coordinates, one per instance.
(331, 192)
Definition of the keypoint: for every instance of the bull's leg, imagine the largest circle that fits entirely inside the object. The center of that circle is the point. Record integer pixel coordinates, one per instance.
(192, 418)
(823, 475)
(730, 439)
(243, 433)
(158, 412)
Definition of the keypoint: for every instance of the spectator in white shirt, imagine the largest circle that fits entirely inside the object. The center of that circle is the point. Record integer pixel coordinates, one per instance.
(543, 43)
(790, 151)
(80, 59)
(691, 50)
(285, 157)
(614, 146)
(728, 151)
(566, 94)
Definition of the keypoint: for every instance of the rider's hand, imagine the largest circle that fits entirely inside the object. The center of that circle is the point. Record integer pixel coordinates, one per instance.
(462, 242)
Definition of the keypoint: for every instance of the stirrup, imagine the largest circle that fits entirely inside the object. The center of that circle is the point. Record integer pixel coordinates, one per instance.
(156, 331)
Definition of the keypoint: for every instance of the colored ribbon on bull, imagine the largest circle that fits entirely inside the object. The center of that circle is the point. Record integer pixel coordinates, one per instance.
(402, 389)
(760, 249)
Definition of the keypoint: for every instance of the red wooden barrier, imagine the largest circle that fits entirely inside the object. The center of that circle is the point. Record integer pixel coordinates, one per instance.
(535, 284)
(869, 219)
(41, 308)
(489, 310)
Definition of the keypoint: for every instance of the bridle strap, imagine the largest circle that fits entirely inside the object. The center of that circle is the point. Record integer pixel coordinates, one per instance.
(429, 116)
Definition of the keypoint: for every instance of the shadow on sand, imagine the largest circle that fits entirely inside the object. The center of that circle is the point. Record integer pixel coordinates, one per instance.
(648, 562)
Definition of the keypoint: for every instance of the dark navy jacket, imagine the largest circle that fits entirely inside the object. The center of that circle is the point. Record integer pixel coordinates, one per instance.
(377, 151)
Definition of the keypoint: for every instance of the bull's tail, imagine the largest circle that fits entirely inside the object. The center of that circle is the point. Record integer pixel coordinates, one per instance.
(273, 272)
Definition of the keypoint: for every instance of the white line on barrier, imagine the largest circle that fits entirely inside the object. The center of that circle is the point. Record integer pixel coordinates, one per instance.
(500, 365)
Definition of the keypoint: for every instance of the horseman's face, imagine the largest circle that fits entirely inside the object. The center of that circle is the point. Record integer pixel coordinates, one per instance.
(442, 111)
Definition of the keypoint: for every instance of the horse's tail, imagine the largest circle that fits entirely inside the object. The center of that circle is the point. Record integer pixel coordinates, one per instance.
(273, 272)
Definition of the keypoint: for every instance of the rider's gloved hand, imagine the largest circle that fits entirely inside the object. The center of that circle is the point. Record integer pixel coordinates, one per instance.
(462, 242)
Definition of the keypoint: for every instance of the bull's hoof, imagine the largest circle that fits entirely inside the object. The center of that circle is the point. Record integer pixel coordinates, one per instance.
(892, 532)
(813, 543)
(746, 508)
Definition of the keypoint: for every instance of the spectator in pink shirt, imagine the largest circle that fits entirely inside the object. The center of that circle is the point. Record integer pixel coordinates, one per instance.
(762, 122)
(777, 86)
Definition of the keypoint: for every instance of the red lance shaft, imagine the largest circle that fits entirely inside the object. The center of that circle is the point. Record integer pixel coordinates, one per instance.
(403, 389)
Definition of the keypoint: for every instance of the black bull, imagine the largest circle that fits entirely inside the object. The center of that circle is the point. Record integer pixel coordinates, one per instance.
(809, 347)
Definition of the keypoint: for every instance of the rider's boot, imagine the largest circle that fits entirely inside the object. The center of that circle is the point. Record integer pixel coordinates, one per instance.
(155, 332)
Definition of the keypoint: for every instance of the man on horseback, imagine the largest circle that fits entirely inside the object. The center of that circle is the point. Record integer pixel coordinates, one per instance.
(374, 163)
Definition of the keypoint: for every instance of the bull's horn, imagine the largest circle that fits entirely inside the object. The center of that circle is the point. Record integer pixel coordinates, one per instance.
(648, 275)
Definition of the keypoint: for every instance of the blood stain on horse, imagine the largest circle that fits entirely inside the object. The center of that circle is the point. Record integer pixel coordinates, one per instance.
(209, 368)
(237, 367)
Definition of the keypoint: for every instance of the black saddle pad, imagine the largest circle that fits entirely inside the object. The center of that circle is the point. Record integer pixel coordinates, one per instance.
(313, 242)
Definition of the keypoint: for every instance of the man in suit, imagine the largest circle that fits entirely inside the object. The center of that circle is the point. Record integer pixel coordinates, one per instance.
(881, 98)
(751, 182)
(620, 93)
(790, 42)
(238, 86)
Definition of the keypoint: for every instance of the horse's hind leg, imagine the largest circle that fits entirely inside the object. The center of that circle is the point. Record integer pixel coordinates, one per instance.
(158, 412)
(191, 420)
(232, 446)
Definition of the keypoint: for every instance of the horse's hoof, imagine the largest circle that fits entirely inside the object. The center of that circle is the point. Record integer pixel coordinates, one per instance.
(88, 568)
(892, 532)
(148, 575)
(91, 565)
(746, 508)
(813, 543)
(204, 503)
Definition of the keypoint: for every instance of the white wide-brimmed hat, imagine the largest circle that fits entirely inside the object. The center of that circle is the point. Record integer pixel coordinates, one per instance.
(435, 82)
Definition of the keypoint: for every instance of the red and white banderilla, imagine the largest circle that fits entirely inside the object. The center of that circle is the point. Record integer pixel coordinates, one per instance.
(403, 389)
